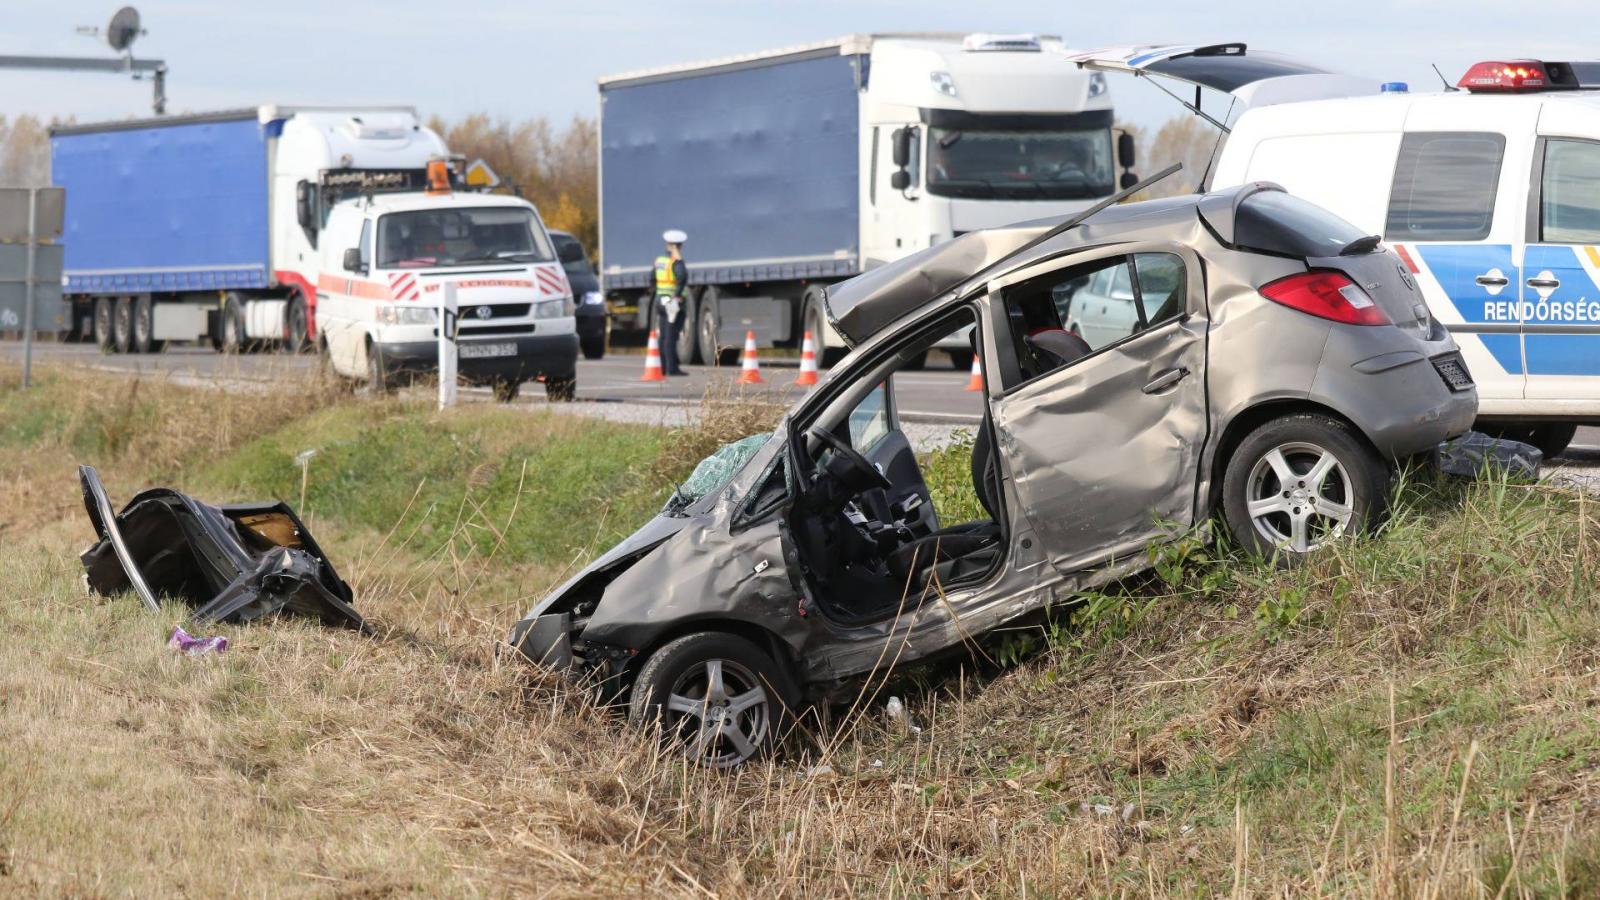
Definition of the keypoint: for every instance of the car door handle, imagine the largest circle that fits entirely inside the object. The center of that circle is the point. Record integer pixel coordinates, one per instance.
(1165, 380)
(1544, 283)
(1493, 280)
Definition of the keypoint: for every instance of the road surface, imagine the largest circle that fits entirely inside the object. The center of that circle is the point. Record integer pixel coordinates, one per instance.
(935, 395)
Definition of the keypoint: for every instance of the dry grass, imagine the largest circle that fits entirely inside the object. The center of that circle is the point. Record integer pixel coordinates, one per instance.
(1412, 717)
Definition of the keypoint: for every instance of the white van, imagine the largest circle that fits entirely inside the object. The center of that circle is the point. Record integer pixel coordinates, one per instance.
(1490, 193)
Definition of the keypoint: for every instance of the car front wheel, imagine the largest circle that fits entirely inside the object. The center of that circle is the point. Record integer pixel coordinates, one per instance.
(717, 697)
(1296, 484)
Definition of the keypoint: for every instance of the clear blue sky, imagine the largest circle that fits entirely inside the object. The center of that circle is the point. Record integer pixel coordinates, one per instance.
(518, 59)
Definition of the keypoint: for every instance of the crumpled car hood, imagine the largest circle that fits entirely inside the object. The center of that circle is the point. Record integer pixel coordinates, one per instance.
(235, 563)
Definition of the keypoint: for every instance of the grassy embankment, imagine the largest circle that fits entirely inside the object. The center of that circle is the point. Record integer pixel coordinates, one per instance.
(1412, 715)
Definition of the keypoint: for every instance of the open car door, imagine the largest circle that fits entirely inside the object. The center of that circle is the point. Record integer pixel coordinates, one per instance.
(1254, 79)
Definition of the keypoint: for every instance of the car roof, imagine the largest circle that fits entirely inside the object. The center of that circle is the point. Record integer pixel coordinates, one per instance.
(868, 303)
(1360, 114)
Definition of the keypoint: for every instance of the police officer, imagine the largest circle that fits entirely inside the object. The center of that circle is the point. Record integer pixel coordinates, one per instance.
(671, 280)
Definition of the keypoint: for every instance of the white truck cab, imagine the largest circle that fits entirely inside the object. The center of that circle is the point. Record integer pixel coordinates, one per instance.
(1490, 193)
(386, 260)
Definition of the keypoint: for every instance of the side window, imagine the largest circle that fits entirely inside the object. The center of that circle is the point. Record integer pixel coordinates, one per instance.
(869, 421)
(1162, 293)
(1061, 317)
(1444, 186)
(366, 243)
(1569, 193)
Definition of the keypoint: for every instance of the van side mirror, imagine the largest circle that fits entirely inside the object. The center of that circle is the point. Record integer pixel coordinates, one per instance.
(1128, 180)
(1125, 150)
(352, 260)
(899, 179)
(902, 147)
(304, 209)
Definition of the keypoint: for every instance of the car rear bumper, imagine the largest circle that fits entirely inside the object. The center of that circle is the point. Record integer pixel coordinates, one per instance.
(1401, 398)
(548, 355)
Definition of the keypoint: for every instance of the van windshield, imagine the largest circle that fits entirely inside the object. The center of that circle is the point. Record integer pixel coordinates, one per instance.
(461, 237)
(1020, 164)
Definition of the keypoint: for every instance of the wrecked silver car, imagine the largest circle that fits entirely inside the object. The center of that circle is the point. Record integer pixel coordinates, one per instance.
(236, 563)
(1240, 354)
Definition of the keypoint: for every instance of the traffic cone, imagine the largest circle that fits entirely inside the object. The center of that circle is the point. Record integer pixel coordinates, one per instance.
(975, 383)
(652, 360)
(750, 372)
(808, 362)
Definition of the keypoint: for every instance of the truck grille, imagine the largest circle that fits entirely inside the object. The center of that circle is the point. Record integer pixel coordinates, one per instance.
(469, 311)
(468, 329)
(1453, 369)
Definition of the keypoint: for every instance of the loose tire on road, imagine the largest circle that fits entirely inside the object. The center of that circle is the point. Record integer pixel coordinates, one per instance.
(1300, 482)
(560, 390)
(104, 329)
(122, 325)
(716, 696)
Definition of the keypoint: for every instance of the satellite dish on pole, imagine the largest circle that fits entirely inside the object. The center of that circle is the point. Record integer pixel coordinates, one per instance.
(123, 29)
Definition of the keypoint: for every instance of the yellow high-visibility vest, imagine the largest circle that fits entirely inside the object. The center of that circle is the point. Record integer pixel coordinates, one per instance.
(666, 278)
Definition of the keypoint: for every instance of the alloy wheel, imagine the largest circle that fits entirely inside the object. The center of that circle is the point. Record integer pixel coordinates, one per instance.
(1300, 497)
(720, 712)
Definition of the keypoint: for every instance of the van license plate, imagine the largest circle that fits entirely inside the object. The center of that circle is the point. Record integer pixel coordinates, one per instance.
(479, 351)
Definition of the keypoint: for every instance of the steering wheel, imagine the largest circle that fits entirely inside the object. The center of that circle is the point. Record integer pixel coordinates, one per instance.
(859, 465)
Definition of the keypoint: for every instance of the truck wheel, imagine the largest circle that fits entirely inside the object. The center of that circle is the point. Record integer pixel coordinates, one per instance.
(1296, 484)
(560, 390)
(104, 331)
(296, 325)
(144, 327)
(232, 321)
(688, 335)
(816, 322)
(713, 353)
(506, 389)
(718, 698)
(122, 325)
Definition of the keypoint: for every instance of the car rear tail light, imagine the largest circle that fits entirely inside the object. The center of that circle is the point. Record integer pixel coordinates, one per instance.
(1327, 295)
(1518, 75)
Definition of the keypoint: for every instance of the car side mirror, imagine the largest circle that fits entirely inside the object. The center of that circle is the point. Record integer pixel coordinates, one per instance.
(902, 147)
(899, 179)
(1125, 150)
(1128, 180)
(352, 260)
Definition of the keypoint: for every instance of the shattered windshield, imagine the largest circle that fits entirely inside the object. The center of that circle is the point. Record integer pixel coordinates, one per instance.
(715, 471)
(1053, 164)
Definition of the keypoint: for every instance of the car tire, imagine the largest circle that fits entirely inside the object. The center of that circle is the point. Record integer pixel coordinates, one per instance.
(560, 390)
(122, 325)
(1552, 440)
(296, 325)
(379, 381)
(1289, 518)
(594, 345)
(716, 696)
(960, 360)
(104, 327)
(506, 389)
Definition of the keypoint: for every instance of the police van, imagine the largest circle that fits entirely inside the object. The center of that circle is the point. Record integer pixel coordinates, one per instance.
(1489, 192)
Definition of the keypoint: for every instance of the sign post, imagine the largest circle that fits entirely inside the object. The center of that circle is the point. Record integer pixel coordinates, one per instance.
(447, 345)
(27, 288)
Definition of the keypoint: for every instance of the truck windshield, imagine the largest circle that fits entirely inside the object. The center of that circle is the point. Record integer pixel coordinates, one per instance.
(1020, 164)
(461, 237)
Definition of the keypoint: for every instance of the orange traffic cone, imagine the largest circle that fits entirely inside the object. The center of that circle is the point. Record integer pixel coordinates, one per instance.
(808, 362)
(975, 383)
(652, 360)
(750, 372)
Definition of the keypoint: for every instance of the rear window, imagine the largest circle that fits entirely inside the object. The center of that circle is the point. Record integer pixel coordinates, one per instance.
(1444, 186)
(1275, 222)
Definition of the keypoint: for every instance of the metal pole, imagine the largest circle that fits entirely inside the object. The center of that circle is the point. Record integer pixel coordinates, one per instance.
(159, 102)
(447, 345)
(27, 287)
